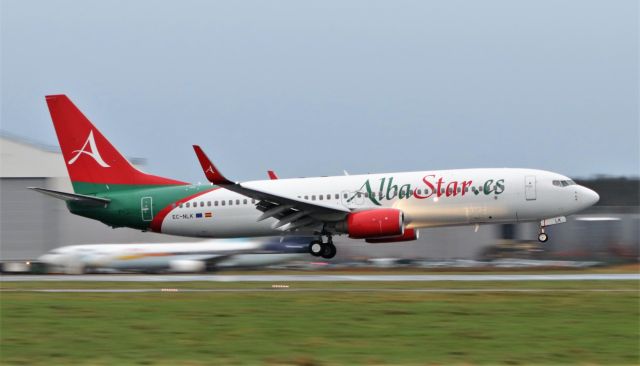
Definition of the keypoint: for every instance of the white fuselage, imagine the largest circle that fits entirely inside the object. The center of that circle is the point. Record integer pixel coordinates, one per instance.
(427, 199)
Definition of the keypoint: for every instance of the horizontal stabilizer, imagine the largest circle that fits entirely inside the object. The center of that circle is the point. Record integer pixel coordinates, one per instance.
(73, 197)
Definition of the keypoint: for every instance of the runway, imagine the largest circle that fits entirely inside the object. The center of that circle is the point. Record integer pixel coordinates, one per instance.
(320, 278)
(364, 290)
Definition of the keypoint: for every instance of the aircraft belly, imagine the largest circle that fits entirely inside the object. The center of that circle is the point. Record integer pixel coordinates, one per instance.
(217, 226)
(149, 263)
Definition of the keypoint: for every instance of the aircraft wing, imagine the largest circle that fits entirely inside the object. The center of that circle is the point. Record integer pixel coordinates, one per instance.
(292, 213)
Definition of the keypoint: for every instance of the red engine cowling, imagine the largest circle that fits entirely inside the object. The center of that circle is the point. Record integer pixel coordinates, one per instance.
(375, 223)
(409, 235)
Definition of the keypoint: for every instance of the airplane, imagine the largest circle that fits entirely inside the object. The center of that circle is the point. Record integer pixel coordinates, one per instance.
(379, 208)
(199, 256)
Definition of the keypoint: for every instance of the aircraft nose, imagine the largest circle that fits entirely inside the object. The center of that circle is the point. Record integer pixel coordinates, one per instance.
(591, 197)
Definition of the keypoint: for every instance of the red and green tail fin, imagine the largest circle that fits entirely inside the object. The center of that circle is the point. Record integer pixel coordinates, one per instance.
(94, 165)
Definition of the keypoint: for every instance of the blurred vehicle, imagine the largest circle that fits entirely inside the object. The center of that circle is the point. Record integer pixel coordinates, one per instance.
(174, 257)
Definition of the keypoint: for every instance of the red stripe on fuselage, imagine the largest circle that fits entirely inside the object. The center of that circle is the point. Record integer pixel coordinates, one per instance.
(156, 223)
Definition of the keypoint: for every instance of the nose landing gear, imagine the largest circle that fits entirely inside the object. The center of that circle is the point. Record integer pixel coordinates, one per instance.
(318, 248)
(542, 236)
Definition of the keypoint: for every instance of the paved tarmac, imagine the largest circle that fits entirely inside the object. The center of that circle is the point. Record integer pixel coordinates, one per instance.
(349, 290)
(321, 278)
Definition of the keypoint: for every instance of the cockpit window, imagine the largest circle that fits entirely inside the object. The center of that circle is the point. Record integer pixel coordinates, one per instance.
(563, 183)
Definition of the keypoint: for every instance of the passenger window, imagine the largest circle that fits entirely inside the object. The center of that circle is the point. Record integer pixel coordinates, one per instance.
(359, 194)
(188, 204)
(245, 201)
(223, 202)
(306, 197)
(313, 197)
(215, 203)
(320, 197)
(201, 203)
(237, 202)
(180, 205)
(230, 202)
(459, 189)
(345, 195)
(208, 203)
(253, 200)
(337, 196)
(328, 196)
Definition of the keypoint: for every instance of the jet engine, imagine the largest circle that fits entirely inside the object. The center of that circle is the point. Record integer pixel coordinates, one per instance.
(380, 223)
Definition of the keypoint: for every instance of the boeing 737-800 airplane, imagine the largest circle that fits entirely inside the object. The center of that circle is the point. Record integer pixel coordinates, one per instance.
(378, 208)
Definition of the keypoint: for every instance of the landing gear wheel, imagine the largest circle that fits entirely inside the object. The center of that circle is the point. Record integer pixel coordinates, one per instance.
(329, 251)
(316, 248)
(543, 237)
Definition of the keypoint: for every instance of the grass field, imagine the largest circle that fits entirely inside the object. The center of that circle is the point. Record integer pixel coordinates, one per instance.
(581, 322)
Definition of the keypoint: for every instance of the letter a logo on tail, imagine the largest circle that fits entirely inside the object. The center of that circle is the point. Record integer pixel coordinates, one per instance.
(93, 152)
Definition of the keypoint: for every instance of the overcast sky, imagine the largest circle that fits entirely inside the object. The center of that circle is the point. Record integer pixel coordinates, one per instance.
(311, 88)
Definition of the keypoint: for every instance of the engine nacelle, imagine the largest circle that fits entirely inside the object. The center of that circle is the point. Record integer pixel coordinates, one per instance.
(187, 266)
(409, 235)
(380, 223)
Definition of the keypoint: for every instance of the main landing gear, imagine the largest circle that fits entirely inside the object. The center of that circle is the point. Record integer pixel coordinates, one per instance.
(318, 248)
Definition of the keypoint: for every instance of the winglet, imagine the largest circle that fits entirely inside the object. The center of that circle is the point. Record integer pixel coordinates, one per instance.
(210, 171)
(272, 175)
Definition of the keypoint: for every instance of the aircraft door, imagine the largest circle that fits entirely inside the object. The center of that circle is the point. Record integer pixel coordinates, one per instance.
(530, 187)
(146, 207)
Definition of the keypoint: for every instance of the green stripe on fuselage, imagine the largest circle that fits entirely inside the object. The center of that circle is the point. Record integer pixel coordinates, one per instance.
(125, 208)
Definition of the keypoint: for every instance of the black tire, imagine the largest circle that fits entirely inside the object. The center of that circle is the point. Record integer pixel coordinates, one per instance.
(329, 251)
(313, 246)
(543, 237)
